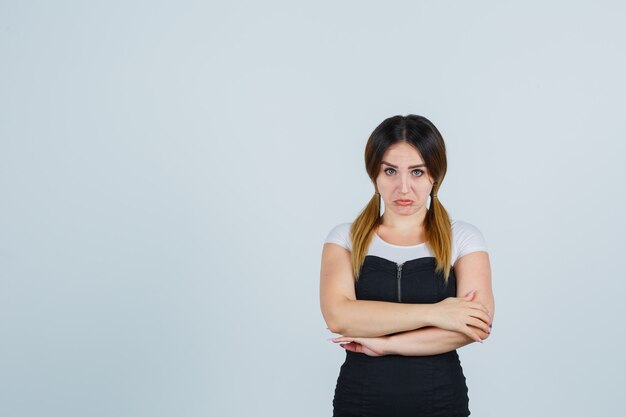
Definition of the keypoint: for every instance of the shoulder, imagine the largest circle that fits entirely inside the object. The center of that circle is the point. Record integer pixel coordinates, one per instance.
(467, 237)
(461, 227)
(340, 234)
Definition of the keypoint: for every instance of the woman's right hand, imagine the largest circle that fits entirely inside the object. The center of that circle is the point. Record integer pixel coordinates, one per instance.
(461, 314)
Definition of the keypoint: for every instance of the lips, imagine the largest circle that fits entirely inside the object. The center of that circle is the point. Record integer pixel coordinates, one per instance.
(403, 202)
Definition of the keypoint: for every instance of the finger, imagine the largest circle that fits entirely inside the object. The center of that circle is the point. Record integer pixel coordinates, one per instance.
(354, 347)
(342, 339)
(487, 311)
(470, 294)
(481, 334)
(478, 305)
(472, 335)
(479, 314)
(479, 324)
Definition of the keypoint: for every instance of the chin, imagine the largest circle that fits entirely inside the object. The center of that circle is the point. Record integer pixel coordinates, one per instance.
(406, 212)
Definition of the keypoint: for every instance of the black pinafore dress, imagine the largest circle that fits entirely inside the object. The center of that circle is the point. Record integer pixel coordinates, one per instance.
(396, 385)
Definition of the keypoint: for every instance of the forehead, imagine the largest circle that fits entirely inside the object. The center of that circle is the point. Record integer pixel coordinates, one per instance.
(403, 154)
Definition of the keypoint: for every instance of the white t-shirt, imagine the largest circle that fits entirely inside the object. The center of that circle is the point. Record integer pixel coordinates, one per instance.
(466, 238)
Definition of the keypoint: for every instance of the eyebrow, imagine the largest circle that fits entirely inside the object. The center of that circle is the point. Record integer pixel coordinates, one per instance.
(395, 166)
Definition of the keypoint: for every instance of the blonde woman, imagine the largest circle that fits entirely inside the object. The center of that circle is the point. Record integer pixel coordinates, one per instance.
(405, 289)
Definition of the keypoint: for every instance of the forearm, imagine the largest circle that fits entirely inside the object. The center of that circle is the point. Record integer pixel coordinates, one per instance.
(365, 318)
(426, 341)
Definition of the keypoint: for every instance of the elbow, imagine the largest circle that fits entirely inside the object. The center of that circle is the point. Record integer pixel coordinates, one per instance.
(334, 328)
(335, 318)
(336, 325)
(333, 323)
(344, 328)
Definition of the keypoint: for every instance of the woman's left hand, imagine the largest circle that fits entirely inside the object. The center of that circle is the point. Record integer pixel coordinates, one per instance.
(371, 346)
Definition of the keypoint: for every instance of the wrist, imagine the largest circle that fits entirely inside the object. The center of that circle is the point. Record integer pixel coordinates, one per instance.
(389, 345)
(429, 314)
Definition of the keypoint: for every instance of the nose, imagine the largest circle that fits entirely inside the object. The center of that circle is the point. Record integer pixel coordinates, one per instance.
(404, 184)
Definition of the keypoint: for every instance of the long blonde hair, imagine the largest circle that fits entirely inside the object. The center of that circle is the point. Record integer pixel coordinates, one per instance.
(420, 133)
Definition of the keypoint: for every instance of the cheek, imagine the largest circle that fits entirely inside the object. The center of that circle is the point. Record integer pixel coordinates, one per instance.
(423, 187)
(383, 181)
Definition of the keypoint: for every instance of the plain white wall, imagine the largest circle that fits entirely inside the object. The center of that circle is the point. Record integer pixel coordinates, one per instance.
(169, 171)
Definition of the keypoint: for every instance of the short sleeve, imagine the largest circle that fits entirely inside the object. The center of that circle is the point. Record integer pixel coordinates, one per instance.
(340, 235)
(468, 238)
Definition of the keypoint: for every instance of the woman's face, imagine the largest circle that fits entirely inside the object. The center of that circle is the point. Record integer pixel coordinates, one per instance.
(403, 176)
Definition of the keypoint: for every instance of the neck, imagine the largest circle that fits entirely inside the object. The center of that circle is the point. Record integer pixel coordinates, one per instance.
(412, 222)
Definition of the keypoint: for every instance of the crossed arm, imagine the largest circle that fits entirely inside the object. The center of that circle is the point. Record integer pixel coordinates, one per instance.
(426, 341)
(420, 342)
(472, 272)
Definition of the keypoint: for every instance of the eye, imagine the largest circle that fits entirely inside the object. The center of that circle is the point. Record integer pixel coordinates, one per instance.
(389, 169)
(420, 172)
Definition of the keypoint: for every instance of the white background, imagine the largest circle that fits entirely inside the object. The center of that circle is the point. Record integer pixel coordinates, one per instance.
(169, 171)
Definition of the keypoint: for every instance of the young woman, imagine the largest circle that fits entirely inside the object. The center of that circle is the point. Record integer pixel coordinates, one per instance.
(405, 289)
